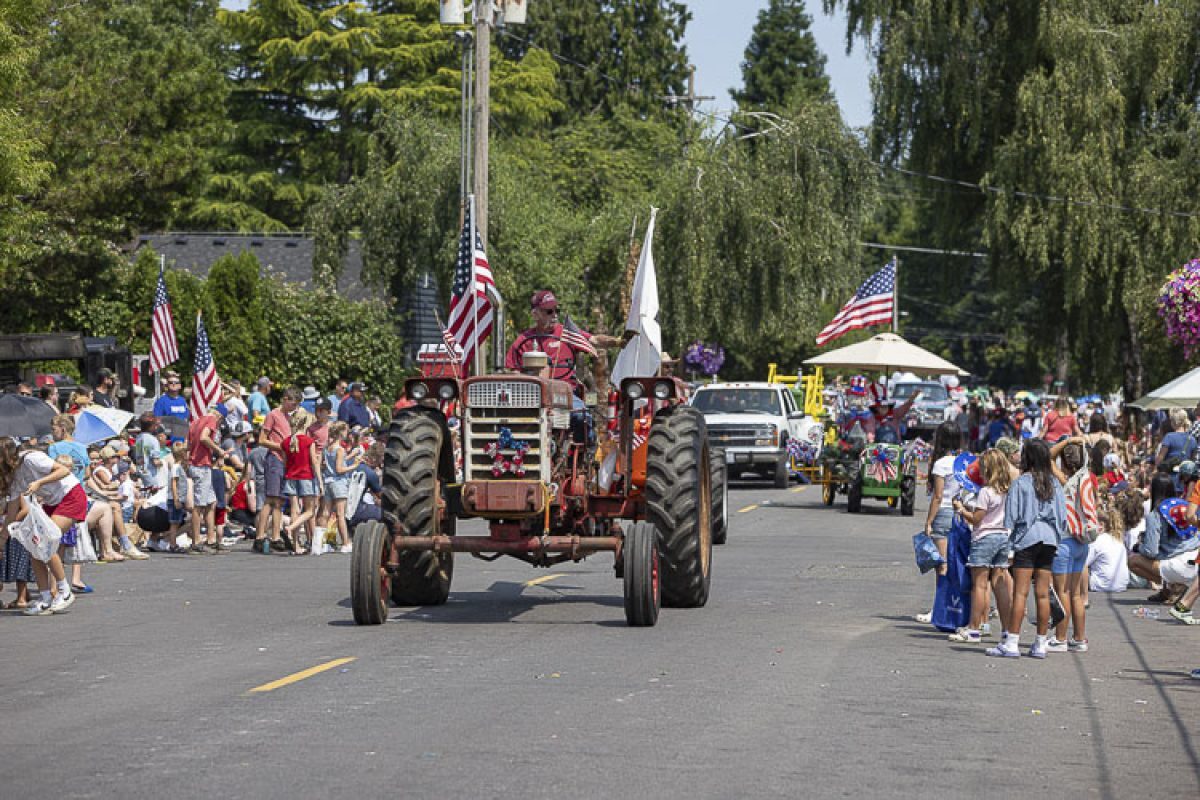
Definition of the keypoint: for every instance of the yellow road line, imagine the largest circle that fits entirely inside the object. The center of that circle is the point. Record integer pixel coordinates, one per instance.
(799, 488)
(544, 579)
(747, 508)
(296, 677)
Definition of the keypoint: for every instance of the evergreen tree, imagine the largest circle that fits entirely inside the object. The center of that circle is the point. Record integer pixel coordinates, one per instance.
(618, 52)
(783, 65)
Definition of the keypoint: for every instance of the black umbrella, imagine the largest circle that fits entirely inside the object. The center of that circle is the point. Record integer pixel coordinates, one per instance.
(24, 417)
(175, 427)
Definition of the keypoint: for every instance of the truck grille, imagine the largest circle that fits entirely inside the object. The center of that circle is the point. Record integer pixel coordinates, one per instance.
(737, 435)
(483, 428)
(504, 394)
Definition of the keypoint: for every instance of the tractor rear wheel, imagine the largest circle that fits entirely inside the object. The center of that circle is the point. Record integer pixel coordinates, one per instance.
(679, 504)
(643, 585)
(908, 495)
(411, 491)
(854, 496)
(720, 496)
(369, 584)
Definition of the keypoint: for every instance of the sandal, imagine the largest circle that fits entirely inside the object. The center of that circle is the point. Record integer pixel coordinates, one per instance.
(15, 605)
(177, 550)
(115, 558)
(81, 588)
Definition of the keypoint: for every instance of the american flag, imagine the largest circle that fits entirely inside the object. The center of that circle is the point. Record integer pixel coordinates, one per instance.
(577, 339)
(206, 386)
(470, 297)
(164, 349)
(872, 304)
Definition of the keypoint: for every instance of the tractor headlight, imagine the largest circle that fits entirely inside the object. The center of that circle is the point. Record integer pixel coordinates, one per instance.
(662, 390)
(419, 391)
(446, 391)
(634, 391)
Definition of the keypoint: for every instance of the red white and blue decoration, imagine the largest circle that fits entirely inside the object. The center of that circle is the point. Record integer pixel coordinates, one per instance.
(858, 386)
(882, 464)
(967, 472)
(508, 455)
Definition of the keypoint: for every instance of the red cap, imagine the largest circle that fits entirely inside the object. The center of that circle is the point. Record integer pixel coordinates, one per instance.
(544, 299)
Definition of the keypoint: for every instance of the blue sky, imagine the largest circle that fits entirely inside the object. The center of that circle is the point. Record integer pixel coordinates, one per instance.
(720, 30)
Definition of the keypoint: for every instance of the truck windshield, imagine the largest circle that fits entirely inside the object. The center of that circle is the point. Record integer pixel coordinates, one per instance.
(931, 391)
(738, 401)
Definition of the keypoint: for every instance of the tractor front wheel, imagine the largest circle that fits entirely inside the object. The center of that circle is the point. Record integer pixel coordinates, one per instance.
(854, 496)
(411, 494)
(908, 496)
(720, 496)
(643, 585)
(679, 504)
(369, 583)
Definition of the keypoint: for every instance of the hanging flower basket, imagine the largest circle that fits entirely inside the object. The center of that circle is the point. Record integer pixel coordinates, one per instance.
(703, 358)
(1179, 307)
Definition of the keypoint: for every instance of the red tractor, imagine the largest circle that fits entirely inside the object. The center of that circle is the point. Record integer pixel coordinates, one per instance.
(653, 495)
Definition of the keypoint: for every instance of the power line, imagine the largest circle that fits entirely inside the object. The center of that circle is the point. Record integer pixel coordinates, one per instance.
(914, 249)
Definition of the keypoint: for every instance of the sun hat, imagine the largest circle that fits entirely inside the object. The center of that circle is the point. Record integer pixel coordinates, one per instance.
(243, 428)
(1112, 461)
(311, 393)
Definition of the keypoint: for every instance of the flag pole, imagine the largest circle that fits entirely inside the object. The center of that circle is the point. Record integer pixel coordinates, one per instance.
(474, 290)
(896, 295)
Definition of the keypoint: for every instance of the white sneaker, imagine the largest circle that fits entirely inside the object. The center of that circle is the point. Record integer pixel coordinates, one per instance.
(162, 546)
(925, 618)
(133, 553)
(985, 629)
(61, 603)
(965, 635)
(1038, 650)
(318, 548)
(346, 548)
(1001, 651)
(38, 608)
(1054, 645)
(1077, 646)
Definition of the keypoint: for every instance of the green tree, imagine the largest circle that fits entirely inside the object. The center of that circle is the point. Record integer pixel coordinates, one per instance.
(310, 79)
(619, 52)
(782, 64)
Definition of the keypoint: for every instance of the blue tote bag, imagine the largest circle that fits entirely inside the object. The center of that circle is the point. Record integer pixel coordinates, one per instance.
(952, 601)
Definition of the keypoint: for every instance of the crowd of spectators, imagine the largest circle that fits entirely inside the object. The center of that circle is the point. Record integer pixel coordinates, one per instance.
(264, 472)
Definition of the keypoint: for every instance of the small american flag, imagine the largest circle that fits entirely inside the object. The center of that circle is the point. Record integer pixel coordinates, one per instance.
(577, 339)
(872, 304)
(206, 386)
(471, 308)
(164, 349)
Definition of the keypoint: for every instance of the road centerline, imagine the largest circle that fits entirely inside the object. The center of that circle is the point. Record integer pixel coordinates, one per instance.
(545, 579)
(748, 508)
(296, 677)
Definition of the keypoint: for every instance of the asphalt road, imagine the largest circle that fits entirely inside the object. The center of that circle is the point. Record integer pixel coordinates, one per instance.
(805, 676)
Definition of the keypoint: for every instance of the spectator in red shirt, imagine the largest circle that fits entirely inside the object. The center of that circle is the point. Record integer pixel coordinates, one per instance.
(303, 480)
(202, 445)
(276, 429)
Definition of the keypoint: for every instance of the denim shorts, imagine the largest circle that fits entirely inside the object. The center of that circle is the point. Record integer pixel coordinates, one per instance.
(300, 488)
(1071, 556)
(992, 550)
(337, 488)
(273, 476)
(940, 528)
(175, 514)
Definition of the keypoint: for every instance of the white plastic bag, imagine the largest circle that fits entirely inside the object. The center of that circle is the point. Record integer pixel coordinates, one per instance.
(358, 484)
(37, 533)
(84, 552)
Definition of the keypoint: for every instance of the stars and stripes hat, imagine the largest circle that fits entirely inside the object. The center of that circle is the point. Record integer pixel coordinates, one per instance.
(858, 386)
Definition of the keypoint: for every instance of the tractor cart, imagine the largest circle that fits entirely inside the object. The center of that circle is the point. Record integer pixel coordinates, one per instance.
(513, 450)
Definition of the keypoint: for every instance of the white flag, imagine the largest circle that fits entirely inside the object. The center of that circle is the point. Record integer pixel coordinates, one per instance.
(642, 355)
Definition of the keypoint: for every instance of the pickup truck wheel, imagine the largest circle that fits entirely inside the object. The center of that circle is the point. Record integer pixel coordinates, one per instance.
(781, 472)
(411, 490)
(679, 504)
(720, 496)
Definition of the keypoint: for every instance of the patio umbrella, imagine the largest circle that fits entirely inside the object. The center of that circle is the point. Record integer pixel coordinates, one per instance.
(97, 423)
(1183, 392)
(886, 351)
(24, 417)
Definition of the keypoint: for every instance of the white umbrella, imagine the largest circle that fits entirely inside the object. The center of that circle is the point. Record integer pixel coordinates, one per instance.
(1183, 392)
(97, 423)
(886, 351)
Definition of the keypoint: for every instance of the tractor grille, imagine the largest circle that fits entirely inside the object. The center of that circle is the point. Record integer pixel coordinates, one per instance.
(504, 394)
(737, 435)
(483, 428)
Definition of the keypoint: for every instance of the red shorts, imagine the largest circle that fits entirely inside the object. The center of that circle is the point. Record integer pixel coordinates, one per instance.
(219, 517)
(74, 505)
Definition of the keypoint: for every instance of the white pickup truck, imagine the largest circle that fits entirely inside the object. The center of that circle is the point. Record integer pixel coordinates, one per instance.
(752, 423)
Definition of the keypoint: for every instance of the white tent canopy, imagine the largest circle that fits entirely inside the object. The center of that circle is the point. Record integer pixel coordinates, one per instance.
(886, 351)
(1183, 392)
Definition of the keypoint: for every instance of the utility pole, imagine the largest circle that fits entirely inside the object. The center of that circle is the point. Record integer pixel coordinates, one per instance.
(483, 41)
(691, 98)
